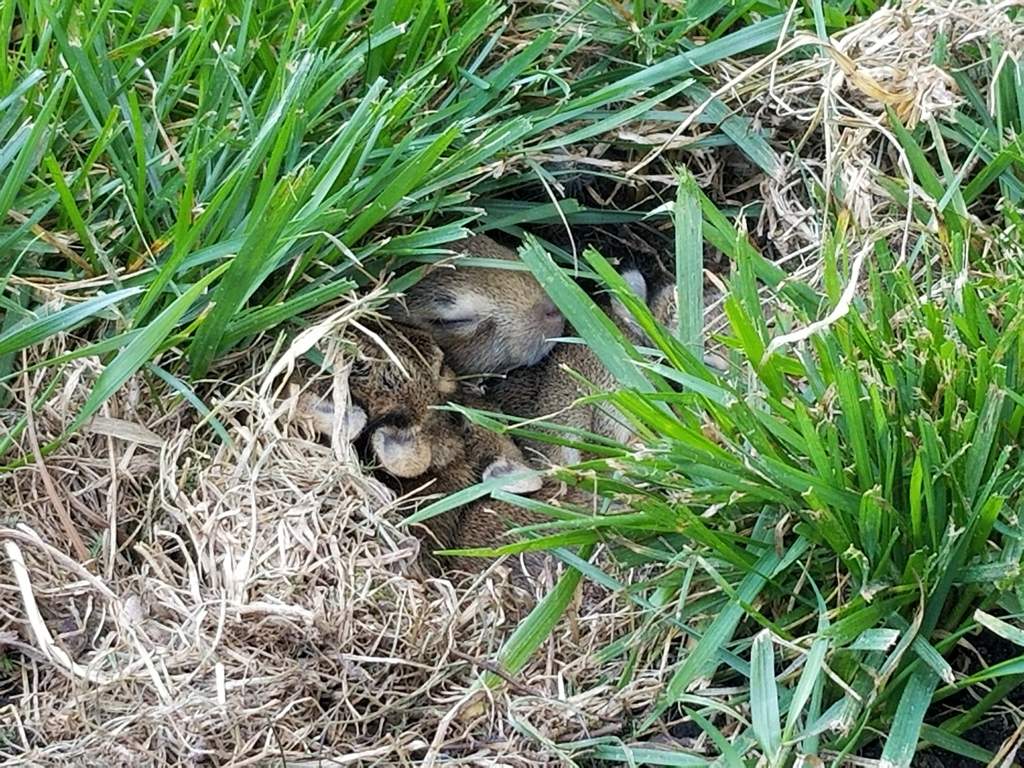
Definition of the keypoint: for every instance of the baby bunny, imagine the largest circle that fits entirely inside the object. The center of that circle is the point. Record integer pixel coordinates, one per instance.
(484, 524)
(395, 394)
(486, 320)
(393, 381)
(419, 447)
(547, 391)
(463, 455)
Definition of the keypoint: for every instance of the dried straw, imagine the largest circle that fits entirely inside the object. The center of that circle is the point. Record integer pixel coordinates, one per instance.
(248, 603)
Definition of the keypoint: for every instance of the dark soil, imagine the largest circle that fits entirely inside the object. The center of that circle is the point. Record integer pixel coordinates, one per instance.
(993, 731)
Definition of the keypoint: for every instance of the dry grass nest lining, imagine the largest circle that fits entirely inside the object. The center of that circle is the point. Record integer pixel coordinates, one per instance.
(251, 603)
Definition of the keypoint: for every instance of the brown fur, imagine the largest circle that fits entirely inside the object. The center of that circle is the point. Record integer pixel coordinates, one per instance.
(485, 523)
(420, 446)
(399, 394)
(665, 308)
(466, 460)
(486, 320)
(548, 392)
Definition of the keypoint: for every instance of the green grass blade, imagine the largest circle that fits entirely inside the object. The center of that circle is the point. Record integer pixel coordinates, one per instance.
(590, 323)
(536, 627)
(241, 277)
(764, 696)
(26, 334)
(689, 266)
(140, 349)
(901, 743)
(637, 755)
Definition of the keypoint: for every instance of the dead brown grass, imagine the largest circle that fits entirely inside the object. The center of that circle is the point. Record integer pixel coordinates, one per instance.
(257, 602)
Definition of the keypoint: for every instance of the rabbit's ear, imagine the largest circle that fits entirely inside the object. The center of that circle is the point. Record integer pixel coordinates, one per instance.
(521, 479)
(402, 451)
(355, 422)
(321, 414)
